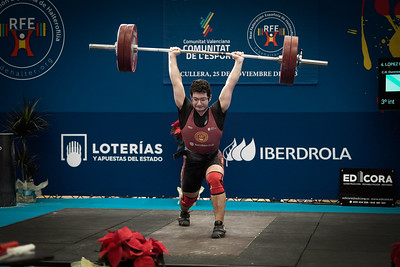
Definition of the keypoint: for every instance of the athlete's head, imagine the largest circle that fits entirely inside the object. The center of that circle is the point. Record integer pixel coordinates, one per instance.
(200, 92)
(200, 86)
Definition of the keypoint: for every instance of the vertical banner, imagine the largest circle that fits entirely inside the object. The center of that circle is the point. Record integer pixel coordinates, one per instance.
(367, 187)
(254, 28)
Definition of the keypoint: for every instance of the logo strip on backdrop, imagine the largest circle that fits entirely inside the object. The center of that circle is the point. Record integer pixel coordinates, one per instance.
(75, 150)
(208, 26)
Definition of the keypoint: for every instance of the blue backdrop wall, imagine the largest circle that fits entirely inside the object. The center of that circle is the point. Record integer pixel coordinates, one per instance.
(109, 132)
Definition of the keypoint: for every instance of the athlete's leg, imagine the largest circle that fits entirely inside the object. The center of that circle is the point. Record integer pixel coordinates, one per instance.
(214, 178)
(190, 184)
(187, 200)
(218, 199)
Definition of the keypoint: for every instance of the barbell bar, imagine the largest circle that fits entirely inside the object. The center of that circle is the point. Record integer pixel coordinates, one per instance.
(126, 49)
(166, 50)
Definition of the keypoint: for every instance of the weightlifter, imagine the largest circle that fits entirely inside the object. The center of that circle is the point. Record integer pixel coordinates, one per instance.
(202, 127)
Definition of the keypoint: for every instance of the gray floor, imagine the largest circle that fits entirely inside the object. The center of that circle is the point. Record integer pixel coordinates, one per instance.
(253, 238)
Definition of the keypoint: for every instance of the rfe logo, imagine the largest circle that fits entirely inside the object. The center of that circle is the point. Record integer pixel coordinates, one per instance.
(266, 32)
(25, 27)
(32, 37)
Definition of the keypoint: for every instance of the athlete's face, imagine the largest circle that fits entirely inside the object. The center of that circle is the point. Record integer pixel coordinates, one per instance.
(200, 102)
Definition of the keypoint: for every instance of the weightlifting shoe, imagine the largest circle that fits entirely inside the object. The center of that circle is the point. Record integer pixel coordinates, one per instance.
(184, 218)
(219, 230)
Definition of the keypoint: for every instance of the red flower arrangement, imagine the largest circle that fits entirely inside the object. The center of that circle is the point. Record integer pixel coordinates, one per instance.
(126, 248)
(395, 255)
(176, 131)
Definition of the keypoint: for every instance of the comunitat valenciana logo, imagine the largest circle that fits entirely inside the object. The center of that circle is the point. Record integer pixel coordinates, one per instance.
(32, 37)
(74, 150)
(266, 32)
(205, 24)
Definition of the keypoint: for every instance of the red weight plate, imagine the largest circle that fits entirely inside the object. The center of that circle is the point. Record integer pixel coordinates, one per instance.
(120, 48)
(287, 42)
(134, 43)
(291, 73)
(128, 48)
(129, 60)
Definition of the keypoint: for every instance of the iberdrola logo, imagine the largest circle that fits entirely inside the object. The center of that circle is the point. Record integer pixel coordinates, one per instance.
(239, 152)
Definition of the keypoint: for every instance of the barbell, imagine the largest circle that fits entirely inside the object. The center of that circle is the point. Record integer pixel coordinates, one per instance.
(126, 49)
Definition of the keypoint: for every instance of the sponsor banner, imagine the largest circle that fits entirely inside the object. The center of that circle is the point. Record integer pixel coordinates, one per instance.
(248, 152)
(208, 26)
(266, 154)
(74, 150)
(367, 187)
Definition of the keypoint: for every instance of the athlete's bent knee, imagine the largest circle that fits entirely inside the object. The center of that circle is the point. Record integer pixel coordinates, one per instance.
(215, 182)
(187, 202)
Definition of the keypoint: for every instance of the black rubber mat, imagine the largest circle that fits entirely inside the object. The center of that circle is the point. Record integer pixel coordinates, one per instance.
(253, 238)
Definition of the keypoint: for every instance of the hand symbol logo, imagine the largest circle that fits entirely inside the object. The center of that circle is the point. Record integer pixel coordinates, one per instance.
(74, 154)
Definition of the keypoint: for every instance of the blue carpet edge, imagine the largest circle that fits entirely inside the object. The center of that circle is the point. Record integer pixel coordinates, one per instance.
(24, 211)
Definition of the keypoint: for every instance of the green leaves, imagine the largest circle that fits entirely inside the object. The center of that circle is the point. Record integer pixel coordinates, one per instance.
(26, 122)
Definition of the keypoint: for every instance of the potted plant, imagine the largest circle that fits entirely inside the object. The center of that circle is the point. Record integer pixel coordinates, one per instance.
(25, 123)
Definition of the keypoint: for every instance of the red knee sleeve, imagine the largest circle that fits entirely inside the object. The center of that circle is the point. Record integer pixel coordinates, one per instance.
(215, 182)
(187, 202)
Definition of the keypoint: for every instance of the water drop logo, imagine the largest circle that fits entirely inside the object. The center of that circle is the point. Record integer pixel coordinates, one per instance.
(241, 152)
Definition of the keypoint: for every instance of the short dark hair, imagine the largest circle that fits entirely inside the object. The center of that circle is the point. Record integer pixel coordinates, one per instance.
(200, 86)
